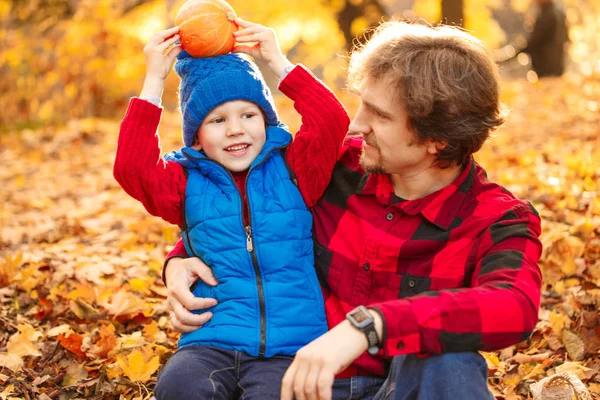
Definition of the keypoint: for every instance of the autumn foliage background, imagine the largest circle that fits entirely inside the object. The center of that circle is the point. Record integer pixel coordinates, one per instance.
(82, 312)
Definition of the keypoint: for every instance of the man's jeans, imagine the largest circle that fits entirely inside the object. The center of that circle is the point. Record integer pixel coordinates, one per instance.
(451, 376)
(202, 372)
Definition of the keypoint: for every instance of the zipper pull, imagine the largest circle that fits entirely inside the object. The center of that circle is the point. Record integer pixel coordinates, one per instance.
(249, 245)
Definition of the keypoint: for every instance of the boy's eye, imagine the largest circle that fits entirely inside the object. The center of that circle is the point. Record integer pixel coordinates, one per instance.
(218, 120)
(248, 115)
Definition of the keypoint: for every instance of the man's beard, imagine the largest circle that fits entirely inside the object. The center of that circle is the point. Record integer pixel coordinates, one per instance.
(374, 168)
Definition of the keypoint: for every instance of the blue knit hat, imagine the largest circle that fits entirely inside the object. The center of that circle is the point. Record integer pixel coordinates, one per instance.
(207, 83)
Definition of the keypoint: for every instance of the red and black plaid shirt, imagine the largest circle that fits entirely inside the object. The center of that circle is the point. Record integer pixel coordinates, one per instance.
(453, 271)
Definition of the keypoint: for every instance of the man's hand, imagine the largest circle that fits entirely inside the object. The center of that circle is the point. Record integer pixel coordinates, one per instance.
(313, 370)
(179, 276)
(266, 48)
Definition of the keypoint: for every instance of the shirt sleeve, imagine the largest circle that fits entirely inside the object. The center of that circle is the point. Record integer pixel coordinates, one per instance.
(317, 144)
(499, 309)
(139, 168)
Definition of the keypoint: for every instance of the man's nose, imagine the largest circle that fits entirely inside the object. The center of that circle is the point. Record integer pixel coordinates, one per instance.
(359, 124)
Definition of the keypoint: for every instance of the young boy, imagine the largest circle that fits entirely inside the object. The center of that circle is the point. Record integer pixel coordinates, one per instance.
(240, 191)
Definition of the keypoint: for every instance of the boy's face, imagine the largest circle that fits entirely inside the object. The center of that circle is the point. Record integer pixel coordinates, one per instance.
(233, 134)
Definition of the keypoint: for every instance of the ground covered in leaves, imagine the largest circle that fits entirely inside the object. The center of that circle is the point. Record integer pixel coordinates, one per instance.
(82, 304)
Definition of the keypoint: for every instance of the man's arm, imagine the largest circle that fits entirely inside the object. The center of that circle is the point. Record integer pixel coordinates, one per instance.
(500, 308)
(316, 146)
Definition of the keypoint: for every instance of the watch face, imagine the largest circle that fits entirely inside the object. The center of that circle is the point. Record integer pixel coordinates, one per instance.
(360, 316)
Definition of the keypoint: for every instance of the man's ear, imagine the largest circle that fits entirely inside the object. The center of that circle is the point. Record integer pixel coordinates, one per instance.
(434, 148)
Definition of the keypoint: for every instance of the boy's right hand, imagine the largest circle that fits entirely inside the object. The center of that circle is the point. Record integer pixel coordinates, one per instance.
(158, 64)
(180, 274)
(266, 47)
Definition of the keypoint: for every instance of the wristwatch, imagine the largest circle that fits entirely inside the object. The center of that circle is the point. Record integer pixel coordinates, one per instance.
(362, 320)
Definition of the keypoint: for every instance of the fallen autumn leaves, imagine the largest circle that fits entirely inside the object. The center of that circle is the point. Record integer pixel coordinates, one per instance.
(83, 312)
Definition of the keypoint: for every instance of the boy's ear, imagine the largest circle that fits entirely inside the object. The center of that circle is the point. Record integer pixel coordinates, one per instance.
(196, 144)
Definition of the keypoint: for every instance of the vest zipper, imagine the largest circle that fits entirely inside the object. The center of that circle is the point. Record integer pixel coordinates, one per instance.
(259, 284)
(251, 250)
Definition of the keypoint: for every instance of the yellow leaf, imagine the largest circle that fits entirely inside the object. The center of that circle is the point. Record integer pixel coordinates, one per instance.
(123, 303)
(10, 361)
(575, 367)
(136, 368)
(57, 330)
(131, 341)
(139, 285)
(491, 359)
(8, 269)
(8, 391)
(557, 322)
(83, 292)
(512, 379)
(20, 345)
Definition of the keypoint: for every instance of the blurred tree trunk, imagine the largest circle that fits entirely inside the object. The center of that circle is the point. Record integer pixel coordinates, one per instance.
(453, 12)
(371, 10)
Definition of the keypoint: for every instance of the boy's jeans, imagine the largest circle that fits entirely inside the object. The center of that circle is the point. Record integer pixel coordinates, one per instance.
(206, 373)
(202, 372)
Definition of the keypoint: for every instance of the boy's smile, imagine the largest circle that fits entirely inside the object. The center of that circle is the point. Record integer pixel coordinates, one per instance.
(233, 134)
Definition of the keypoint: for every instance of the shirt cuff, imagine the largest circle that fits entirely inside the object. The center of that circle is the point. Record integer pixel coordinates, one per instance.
(286, 71)
(400, 328)
(156, 100)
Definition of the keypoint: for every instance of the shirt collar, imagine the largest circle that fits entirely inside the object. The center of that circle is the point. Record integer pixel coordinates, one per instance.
(439, 207)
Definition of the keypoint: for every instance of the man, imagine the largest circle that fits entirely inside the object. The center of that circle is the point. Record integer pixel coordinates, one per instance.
(546, 43)
(422, 260)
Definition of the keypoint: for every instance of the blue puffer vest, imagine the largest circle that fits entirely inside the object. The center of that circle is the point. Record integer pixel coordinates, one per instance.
(269, 298)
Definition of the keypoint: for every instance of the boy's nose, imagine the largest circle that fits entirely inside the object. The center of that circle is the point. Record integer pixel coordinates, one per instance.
(234, 129)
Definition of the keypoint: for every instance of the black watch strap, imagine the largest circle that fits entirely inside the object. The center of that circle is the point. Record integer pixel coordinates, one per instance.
(362, 320)
(373, 340)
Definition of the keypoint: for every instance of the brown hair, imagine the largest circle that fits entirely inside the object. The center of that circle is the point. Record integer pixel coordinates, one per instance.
(445, 79)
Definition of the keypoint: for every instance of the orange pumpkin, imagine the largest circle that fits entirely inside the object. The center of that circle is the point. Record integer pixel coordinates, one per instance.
(206, 27)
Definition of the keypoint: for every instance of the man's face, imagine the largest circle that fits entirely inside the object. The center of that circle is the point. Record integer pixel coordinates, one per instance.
(389, 145)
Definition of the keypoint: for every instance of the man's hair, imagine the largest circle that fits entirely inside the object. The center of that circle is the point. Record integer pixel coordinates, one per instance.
(445, 79)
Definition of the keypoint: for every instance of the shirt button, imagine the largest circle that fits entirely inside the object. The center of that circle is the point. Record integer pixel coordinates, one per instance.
(412, 283)
(390, 216)
(400, 345)
(367, 266)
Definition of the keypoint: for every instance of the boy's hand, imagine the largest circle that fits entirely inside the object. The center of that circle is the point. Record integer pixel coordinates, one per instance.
(266, 48)
(158, 64)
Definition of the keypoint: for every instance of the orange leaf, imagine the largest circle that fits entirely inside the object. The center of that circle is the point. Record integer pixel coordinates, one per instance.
(72, 343)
